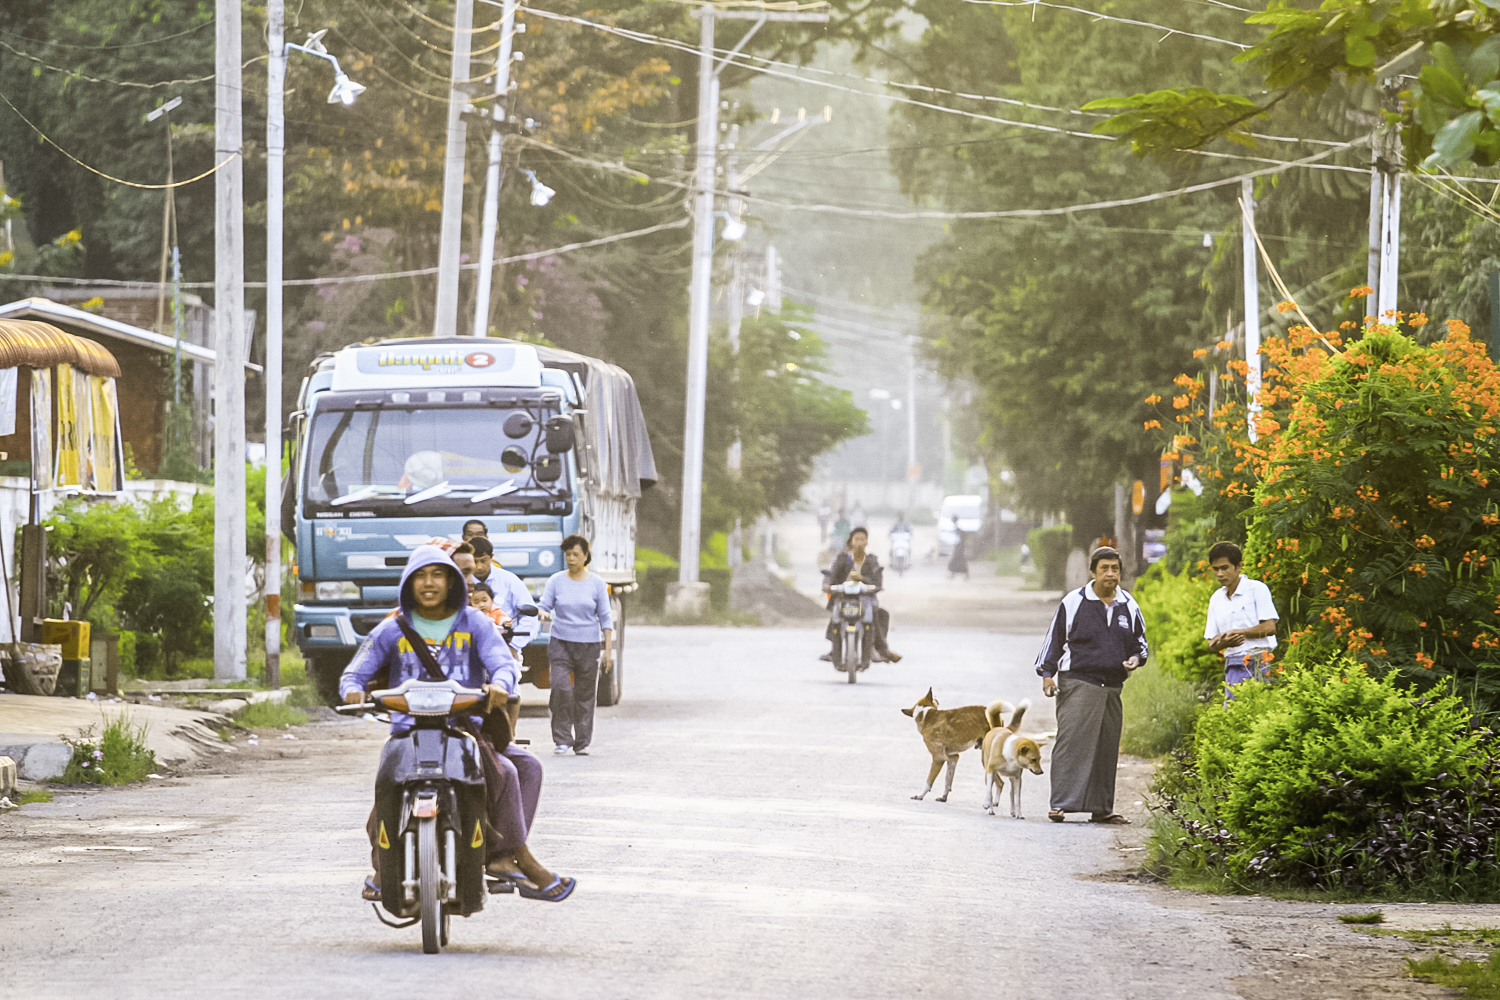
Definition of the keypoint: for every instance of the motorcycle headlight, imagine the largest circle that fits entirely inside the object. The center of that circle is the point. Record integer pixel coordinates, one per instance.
(429, 701)
(335, 590)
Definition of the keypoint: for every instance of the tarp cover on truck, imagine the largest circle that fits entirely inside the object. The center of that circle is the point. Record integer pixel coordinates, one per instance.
(622, 463)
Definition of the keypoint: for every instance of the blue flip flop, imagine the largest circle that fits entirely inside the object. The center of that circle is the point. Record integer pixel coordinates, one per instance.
(370, 890)
(560, 889)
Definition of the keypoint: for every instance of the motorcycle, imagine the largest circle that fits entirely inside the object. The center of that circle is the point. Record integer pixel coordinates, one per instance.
(430, 804)
(854, 626)
(900, 551)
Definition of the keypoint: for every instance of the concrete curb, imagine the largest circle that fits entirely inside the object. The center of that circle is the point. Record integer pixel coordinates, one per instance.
(38, 758)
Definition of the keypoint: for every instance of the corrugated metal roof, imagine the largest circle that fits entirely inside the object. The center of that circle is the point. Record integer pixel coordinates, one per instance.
(30, 344)
(46, 310)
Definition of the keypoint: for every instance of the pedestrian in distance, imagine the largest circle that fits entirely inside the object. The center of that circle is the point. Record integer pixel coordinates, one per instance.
(577, 602)
(841, 527)
(1097, 640)
(825, 515)
(1241, 618)
(958, 563)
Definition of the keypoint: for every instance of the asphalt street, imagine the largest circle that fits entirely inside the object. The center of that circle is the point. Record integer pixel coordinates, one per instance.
(743, 828)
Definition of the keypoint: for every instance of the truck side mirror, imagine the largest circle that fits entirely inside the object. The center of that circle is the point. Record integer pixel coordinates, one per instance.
(560, 436)
(548, 468)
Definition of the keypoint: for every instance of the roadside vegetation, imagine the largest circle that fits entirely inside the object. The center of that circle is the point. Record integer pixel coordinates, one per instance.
(1454, 964)
(117, 756)
(269, 715)
(1365, 767)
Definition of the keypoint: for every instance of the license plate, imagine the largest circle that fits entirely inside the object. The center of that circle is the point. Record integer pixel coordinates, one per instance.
(851, 610)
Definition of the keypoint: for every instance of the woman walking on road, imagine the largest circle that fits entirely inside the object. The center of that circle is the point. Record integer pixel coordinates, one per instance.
(577, 602)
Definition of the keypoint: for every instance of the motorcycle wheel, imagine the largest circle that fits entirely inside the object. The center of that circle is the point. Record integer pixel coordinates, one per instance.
(428, 870)
(851, 654)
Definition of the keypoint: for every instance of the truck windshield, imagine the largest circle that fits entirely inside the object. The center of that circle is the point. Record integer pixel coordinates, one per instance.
(445, 455)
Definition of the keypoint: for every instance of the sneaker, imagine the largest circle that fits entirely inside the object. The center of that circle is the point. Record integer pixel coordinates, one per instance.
(560, 749)
(581, 751)
(826, 657)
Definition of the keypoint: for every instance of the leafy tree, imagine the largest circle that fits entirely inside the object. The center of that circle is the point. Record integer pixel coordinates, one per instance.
(97, 548)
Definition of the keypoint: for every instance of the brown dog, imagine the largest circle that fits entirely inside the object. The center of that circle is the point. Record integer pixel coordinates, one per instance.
(948, 732)
(1008, 754)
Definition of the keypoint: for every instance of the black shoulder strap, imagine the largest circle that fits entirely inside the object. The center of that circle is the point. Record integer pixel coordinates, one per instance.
(419, 646)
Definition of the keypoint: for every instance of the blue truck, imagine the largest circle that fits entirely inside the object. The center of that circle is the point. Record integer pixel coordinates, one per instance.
(402, 441)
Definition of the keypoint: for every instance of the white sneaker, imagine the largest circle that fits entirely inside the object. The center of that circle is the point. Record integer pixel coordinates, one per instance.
(561, 749)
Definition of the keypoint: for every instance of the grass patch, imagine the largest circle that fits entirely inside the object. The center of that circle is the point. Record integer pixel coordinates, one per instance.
(1480, 980)
(269, 715)
(303, 696)
(1159, 711)
(1373, 917)
(117, 757)
(35, 795)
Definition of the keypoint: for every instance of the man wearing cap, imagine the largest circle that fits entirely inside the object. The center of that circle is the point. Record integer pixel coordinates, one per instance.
(1097, 639)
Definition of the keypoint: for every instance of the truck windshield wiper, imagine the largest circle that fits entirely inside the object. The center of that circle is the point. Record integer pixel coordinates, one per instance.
(430, 493)
(509, 486)
(364, 494)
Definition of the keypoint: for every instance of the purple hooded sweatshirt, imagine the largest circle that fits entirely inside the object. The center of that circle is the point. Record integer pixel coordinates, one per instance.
(474, 653)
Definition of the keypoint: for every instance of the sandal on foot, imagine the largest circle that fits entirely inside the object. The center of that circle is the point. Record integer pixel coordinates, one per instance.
(370, 891)
(560, 889)
(892, 657)
(1056, 815)
(502, 873)
(1114, 819)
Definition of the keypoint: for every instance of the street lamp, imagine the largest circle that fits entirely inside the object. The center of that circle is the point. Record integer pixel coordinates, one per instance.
(344, 92)
(734, 229)
(540, 193)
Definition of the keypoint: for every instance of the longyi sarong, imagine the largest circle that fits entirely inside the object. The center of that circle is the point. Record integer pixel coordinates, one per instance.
(1087, 751)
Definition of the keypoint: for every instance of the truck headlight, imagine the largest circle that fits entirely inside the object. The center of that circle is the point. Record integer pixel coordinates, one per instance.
(545, 557)
(335, 590)
(322, 631)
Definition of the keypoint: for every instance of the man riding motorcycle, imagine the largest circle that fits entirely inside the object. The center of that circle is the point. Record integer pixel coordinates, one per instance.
(854, 563)
(468, 648)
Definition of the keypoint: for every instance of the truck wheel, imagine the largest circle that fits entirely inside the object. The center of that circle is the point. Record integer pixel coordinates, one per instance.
(610, 687)
(323, 670)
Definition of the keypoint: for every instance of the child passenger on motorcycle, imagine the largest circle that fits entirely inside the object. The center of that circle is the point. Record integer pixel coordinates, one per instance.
(468, 648)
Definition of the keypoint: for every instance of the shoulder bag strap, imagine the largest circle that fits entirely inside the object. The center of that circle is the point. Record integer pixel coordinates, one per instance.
(419, 646)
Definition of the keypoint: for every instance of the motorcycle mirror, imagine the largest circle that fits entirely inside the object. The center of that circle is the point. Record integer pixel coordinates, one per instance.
(548, 469)
(560, 435)
(527, 611)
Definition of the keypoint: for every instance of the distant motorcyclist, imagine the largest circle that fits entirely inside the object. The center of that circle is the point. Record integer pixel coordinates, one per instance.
(901, 525)
(468, 648)
(860, 566)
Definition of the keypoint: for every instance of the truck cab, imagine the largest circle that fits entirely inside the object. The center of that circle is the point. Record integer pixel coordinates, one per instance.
(402, 442)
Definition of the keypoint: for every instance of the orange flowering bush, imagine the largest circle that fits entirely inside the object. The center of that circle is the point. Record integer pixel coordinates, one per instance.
(1377, 476)
(1370, 497)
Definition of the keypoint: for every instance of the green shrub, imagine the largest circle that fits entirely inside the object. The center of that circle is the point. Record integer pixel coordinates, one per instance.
(1049, 549)
(648, 558)
(127, 653)
(269, 715)
(1159, 710)
(1335, 778)
(1175, 607)
(117, 757)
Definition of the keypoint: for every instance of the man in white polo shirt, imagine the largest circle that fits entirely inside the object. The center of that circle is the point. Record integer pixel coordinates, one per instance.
(1241, 618)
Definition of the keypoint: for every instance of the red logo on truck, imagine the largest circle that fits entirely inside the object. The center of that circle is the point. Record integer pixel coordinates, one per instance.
(479, 359)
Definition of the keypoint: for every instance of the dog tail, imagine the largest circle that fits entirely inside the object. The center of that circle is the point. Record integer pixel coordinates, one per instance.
(1020, 713)
(996, 711)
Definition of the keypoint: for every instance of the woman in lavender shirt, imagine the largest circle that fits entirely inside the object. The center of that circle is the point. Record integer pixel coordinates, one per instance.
(577, 602)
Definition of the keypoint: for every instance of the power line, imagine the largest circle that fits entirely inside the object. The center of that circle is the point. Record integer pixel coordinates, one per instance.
(74, 74)
(349, 279)
(105, 48)
(110, 177)
(1106, 17)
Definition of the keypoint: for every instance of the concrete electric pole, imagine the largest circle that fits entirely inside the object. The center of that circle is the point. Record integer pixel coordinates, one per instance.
(275, 162)
(229, 350)
(1252, 304)
(508, 30)
(445, 315)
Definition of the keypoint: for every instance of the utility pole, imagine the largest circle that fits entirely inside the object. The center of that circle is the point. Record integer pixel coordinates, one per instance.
(445, 315)
(229, 349)
(1390, 231)
(275, 213)
(688, 596)
(1372, 261)
(1252, 306)
(508, 29)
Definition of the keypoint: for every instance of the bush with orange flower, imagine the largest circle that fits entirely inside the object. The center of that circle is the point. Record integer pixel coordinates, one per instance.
(1378, 477)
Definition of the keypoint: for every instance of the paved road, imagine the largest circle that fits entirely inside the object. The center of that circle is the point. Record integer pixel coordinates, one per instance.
(743, 830)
